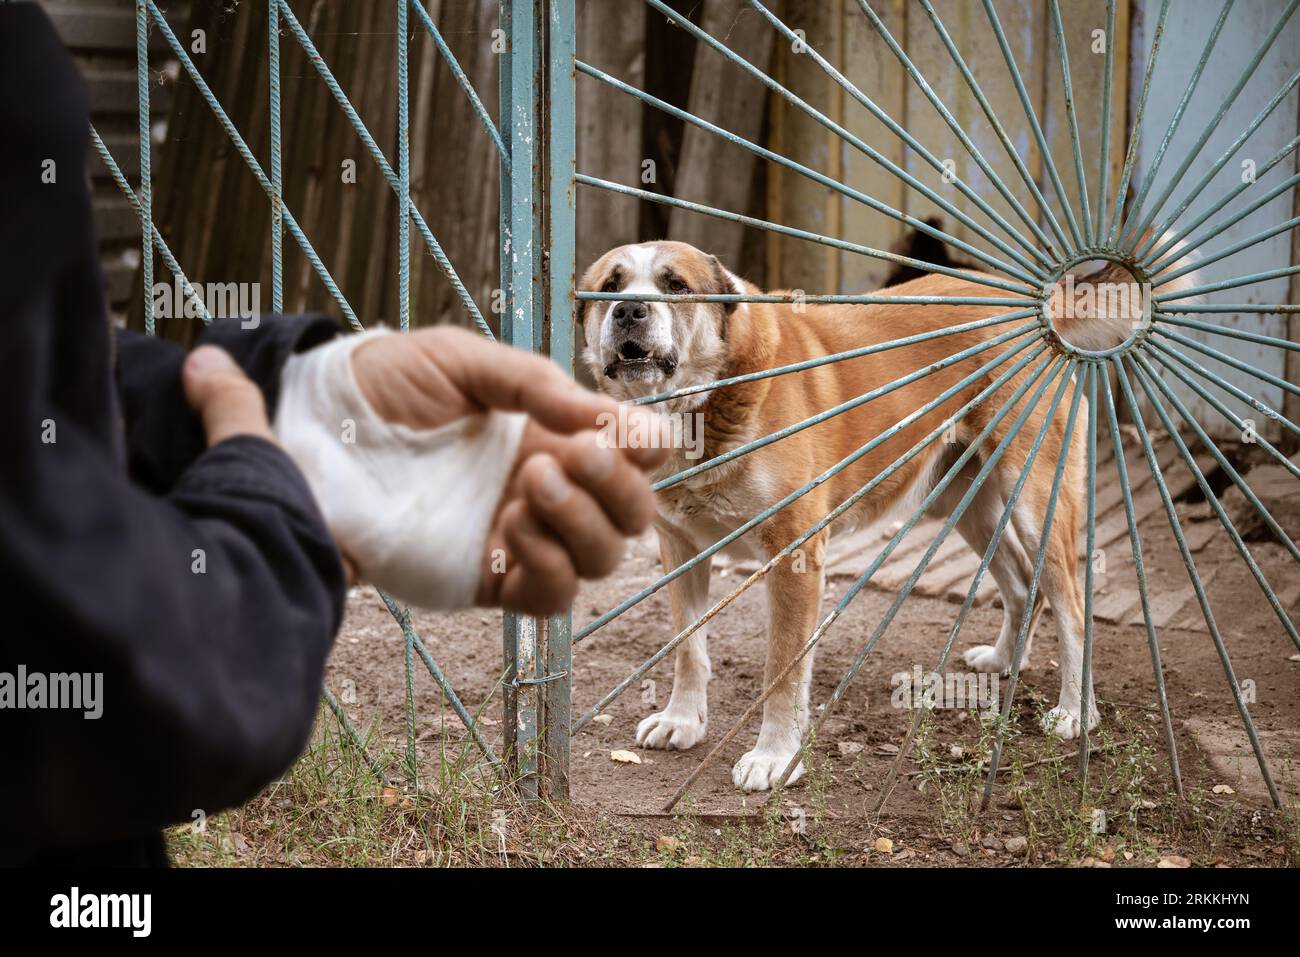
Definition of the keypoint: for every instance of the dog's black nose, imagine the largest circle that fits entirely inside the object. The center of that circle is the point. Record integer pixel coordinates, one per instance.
(628, 314)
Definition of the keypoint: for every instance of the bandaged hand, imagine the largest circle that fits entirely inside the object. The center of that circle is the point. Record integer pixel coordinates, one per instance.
(453, 471)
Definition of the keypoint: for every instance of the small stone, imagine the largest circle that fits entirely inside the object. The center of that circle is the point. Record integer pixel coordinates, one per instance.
(961, 850)
(1017, 845)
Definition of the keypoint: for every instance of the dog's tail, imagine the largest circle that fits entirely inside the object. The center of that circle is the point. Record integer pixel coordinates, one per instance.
(1100, 308)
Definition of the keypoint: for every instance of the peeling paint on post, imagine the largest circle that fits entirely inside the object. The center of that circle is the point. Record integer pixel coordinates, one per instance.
(561, 280)
(521, 63)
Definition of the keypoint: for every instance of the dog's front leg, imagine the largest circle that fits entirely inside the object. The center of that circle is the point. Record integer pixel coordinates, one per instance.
(794, 591)
(683, 723)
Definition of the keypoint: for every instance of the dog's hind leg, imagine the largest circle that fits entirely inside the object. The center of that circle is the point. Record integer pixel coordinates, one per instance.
(1060, 585)
(794, 590)
(684, 722)
(1009, 567)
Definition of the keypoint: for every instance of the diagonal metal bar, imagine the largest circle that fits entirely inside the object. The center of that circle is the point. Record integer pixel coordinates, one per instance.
(825, 476)
(985, 561)
(850, 299)
(821, 178)
(251, 162)
(1196, 148)
(835, 357)
(1067, 88)
(852, 593)
(935, 163)
(1227, 413)
(1236, 363)
(1143, 371)
(435, 248)
(462, 79)
(1027, 618)
(1229, 332)
(1163, 255)
(1130, 155)
(1176, 527)
(901, 132)
(1201, 262)
(1032, 115)
(354, 736)
(1016, 159)
(858, 248)
(1231, 307)
(163, 249)
(846, 406)
(1233, 283)
(1060, 369)
(403, 618)
(817, 528)
(1153, 237)
(1225, 385)
(1140, 574)
(855, 141)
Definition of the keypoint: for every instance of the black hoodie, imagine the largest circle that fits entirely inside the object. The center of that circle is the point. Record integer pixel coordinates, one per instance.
(200, 583)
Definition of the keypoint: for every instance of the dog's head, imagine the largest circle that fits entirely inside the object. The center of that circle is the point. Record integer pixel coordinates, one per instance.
(637, 348)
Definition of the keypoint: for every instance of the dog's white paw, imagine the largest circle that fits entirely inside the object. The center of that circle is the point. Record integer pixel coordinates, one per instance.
(1066, 722)
(665, 731)
(759, 769)
(986, 659)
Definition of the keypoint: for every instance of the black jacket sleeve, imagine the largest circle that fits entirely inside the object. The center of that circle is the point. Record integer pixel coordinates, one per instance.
(205, 600)
(163, 434)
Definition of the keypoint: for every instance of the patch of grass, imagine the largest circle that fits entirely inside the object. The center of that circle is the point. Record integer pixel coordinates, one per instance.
(331, 810)
(1128, 813)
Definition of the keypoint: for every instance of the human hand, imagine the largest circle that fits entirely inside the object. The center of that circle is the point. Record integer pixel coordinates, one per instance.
(570, 500)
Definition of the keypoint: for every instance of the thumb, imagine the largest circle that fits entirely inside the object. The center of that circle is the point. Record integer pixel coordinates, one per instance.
(228, 402)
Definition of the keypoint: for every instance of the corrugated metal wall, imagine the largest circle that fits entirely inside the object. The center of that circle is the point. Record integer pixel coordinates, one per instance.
(1245, 31)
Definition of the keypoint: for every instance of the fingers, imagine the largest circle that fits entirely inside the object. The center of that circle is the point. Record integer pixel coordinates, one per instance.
(499, 377)
(594, 544)
(616, 484)
(541, 579)
(228, 402)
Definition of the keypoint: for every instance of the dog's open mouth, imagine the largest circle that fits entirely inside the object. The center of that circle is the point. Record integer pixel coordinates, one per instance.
(634, 362)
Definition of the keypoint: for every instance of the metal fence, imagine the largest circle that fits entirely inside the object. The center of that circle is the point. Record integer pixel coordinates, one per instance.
(1021, 252)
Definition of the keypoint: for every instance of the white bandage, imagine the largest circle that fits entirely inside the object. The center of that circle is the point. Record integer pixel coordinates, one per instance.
(411, 507)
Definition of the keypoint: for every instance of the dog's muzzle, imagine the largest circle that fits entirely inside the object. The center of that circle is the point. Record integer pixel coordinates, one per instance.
(634, 358)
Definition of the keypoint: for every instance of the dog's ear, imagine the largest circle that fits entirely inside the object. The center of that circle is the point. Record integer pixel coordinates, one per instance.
(723, 286)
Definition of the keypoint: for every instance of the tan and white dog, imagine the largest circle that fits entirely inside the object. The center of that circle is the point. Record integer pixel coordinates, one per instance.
(637, 348)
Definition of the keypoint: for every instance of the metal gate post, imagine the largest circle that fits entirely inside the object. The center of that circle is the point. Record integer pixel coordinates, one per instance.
(561, 264)
(537, 272)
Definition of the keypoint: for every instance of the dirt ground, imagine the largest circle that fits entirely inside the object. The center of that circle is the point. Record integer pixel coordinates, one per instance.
(927, 816)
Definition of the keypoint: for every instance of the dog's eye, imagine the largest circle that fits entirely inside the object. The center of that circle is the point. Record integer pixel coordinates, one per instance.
(611, 285)
(677, 286)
